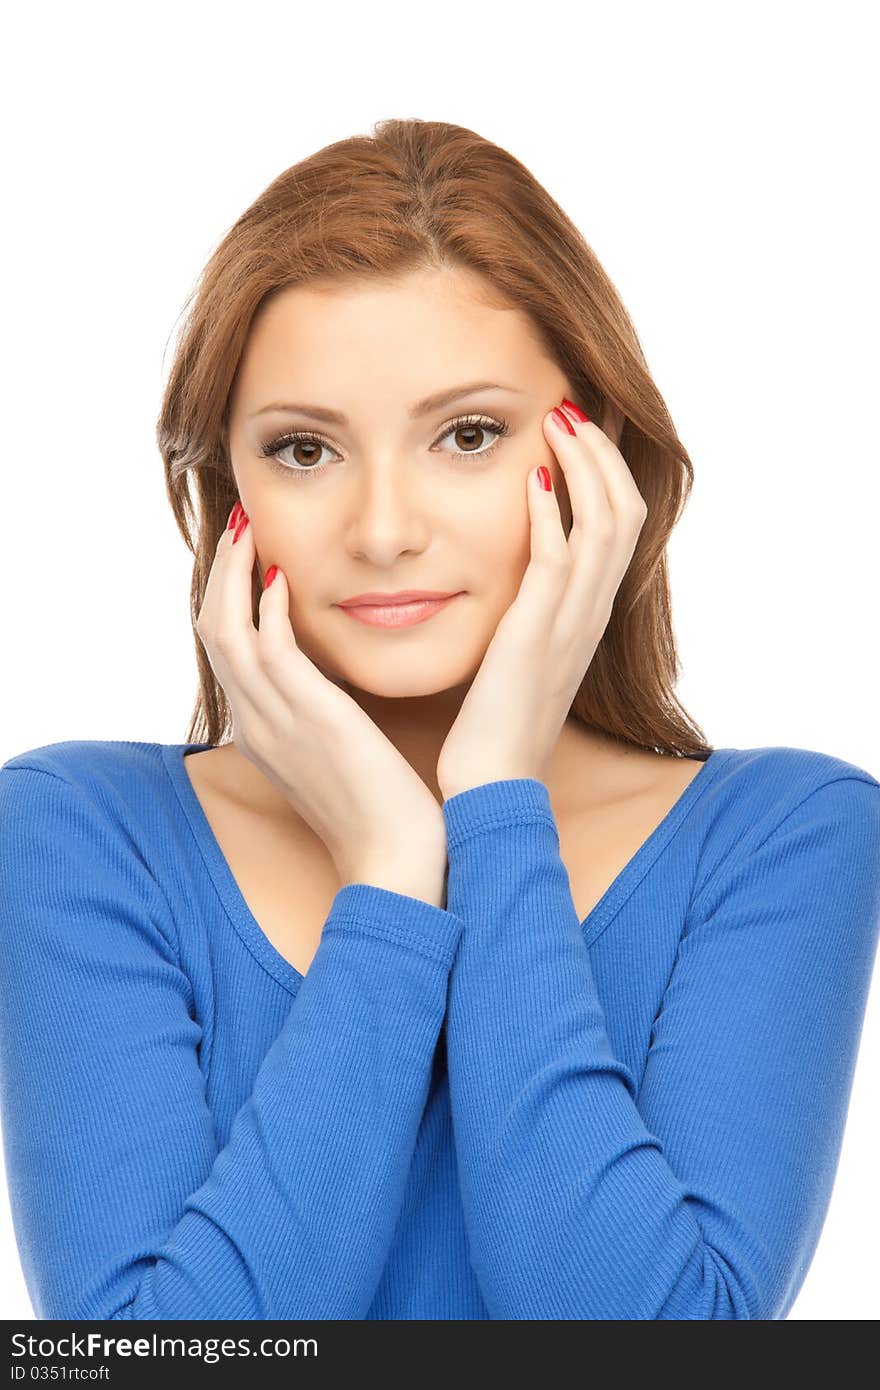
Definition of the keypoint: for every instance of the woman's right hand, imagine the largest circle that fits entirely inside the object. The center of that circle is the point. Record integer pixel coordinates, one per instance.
(380, 822)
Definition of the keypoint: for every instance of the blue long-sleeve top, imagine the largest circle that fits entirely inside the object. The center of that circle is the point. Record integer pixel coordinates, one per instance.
(490, 1110)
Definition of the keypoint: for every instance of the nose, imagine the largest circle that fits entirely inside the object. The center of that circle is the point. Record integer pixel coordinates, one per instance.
(387, 513)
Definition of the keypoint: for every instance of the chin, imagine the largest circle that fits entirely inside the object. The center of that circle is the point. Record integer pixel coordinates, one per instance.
(401, 676)
(402, 685)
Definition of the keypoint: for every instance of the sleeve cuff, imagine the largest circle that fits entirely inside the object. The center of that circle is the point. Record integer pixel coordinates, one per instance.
(374, 911)
(517, 800)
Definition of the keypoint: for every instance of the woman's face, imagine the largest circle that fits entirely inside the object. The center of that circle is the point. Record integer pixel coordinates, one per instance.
(384, 499)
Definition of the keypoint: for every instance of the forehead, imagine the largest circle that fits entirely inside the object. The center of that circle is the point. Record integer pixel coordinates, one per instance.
(429, 326)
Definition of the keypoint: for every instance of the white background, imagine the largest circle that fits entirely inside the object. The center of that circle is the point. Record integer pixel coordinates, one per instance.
(719, 160)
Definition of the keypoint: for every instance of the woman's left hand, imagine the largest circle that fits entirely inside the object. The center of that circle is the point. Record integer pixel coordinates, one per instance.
(517, 703)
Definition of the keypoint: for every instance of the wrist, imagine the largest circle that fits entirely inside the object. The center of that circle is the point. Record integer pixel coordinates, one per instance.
(414, 879)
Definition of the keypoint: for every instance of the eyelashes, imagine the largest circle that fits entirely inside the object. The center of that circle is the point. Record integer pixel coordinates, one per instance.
(274, 447)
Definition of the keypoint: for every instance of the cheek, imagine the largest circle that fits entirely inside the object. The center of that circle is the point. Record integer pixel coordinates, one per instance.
(499, 541)
(504, 551)
(290, 545)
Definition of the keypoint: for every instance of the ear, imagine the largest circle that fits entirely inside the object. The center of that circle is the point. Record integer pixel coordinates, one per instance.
(612, 422)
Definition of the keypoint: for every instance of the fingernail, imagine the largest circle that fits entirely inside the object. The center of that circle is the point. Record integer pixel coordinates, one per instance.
(270, 575)
(575, 410)
(544, 478)
(562, 420)
(241, 527)
(233, 516)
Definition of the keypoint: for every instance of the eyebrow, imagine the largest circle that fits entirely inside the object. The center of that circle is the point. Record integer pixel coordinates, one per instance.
(435, 402)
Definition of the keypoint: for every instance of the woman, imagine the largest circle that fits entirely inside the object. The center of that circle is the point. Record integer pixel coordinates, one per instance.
(446, 971)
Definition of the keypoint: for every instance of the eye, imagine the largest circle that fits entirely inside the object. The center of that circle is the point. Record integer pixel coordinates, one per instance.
(307, 445)
(467, 426)
(310, 444)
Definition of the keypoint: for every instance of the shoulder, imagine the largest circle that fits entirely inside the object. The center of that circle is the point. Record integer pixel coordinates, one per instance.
(756, 788)
(780, 810)
(781, 763)
(96, 789)
(83, 844)
(94, 765)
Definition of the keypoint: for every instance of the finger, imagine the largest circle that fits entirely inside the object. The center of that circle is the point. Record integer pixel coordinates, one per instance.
(213, 599)
(237, 552)
(226, 618)
(620, 485)
(210, 604)
(590, 504)
(283, 658)
(550, 559)
(276, 636)
(548, 538)
(602, 536)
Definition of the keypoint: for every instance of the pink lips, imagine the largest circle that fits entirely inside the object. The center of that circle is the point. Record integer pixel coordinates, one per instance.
(397, 613)
(400, 596)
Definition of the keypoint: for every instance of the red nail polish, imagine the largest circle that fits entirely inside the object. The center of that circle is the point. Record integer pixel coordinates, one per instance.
(575, 410)
(270, 575)
(562, 419)
(233, 517)
(241, 527)
(544, 478)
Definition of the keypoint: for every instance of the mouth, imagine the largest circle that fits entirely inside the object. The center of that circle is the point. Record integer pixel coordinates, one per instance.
(382, 600)
(392, 611)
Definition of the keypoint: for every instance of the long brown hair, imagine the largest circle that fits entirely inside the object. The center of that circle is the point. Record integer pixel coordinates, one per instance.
(417, 194)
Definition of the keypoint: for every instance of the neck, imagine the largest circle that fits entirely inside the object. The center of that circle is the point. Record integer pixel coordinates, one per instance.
(418, 726)
(581, 764)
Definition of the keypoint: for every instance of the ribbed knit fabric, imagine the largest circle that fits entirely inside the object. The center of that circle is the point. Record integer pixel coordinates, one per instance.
(487, 1111)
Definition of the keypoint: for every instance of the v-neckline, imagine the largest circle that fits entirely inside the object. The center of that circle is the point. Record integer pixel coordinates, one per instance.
(286, 974)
